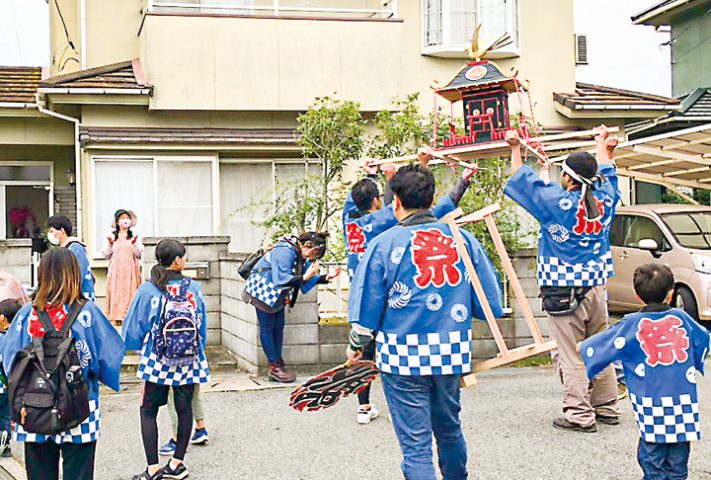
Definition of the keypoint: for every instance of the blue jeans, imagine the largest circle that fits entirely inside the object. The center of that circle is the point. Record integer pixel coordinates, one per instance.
(271, 333)
(420, 407)
(664, 461)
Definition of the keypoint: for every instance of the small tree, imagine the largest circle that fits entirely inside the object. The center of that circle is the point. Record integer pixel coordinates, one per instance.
(332, 133)
(400, 131)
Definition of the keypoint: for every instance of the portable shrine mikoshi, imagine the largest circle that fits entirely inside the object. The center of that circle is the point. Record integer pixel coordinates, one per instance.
(506, 355)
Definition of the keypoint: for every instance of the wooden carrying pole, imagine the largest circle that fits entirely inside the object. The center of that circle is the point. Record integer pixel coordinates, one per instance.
(462, 154)
(505, 355)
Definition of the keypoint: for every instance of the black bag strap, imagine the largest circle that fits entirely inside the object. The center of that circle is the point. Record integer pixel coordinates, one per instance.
(46, 321)
(76, 310)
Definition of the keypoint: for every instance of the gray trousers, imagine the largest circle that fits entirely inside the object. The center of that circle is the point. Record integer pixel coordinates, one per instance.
(583, 399)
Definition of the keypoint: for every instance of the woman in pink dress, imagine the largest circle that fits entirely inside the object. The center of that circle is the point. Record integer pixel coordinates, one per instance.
(124, 251)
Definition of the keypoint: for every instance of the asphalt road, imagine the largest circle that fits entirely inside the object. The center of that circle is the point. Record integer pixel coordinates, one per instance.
(507, 422)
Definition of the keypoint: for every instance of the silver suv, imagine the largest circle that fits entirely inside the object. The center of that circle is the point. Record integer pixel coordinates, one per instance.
(678, 236)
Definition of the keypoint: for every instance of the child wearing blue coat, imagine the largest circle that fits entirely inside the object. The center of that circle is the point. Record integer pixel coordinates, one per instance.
(143, 329)
(8, 310)
(100, 351)
(59, 233)
(661, 349)
(292, 266)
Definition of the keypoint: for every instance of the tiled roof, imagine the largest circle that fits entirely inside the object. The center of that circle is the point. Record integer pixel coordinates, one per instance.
(475, 75)
(19, 84)
(695, 110)
(123, 75)
(597, 97)
(696, 104)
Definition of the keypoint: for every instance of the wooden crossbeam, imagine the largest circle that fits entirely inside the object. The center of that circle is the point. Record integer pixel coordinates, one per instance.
(658, 152)
(506, 355)
(653, 178)
(642, 166)
(685, 172)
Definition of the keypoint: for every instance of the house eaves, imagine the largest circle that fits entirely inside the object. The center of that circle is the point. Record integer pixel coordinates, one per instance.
(591, 101)
(661, 13)
(123, 78)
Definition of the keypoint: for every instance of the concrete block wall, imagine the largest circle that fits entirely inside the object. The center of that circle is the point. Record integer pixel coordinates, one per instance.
(200, 249)
(66, 203)
(240, 330)
(15, 258)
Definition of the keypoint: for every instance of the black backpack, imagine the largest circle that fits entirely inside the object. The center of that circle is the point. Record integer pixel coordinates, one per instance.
(48, 393)
(245, 269)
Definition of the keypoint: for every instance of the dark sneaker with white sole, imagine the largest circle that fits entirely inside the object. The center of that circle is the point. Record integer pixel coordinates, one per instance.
(607, 420)
(144, 475)
(564, 424)
(177, 473)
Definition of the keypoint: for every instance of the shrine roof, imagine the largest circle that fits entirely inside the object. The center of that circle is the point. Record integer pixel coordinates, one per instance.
(473, 76)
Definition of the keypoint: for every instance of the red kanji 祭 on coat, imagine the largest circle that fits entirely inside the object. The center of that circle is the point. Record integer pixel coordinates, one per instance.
(356, 238)
(664, 341)
(585, 225)
(435, 257)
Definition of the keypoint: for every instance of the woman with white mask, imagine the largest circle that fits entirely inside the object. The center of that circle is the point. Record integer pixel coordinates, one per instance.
(124, 251)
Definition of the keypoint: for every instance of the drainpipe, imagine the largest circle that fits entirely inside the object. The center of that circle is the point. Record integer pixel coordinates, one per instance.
(77, 161)
(82, 14)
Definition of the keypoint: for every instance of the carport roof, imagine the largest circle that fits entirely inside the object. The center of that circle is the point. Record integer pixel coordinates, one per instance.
(680, 158)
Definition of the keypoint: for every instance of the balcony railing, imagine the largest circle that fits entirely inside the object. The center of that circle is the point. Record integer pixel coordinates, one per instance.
(357, 9)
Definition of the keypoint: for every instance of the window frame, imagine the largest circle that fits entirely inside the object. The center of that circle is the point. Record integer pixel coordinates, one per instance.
(447, 49)
(213, 160)
(630, 217)
(273, 162)
(25, 183)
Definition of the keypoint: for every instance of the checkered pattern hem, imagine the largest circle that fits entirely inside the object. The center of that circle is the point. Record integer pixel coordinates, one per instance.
(425, 354)
(85, 432)
(667, 419)
(152, 370)
(554, 272)
(258, 287)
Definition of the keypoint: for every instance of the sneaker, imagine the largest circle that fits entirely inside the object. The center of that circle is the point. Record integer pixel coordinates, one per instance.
(199, 437)
(367, 416)
(144, 475)
(564, 424)
(6, 452)
(168, 448)
(607, 420)
(178, 473)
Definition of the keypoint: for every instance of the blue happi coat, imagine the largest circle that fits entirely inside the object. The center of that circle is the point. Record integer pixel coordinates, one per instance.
(661, 350)
(3, 387)
(274, 276)
(101, 352)
(87, 277)
(413, 291)
(572, 251)
(141, 325)
(359, 230)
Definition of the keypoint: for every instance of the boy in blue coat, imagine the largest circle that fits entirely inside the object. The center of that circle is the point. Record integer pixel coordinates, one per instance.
(661, 349)
(412, 290)
(60, 234)
(365, 217)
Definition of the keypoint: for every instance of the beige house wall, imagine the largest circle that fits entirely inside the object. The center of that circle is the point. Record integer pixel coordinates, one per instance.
(111, 33)
(257, 64)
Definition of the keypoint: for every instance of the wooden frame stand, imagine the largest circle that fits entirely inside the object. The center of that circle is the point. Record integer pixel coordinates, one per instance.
(506, 355)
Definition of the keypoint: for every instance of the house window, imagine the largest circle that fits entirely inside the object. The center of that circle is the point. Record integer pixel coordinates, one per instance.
(26, 194)
(448, 25)
(172, 196)
(247, 191)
